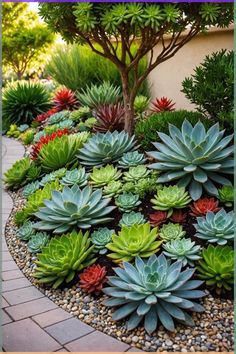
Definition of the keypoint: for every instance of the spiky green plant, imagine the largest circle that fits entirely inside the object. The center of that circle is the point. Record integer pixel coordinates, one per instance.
(33, 172)
(153, 291)
(141, 105)
(80, 114)
(16, 176)
(195, 157)
(76, 176)
(102, 149)
(104, 175)
(131, 159)
(37, 242)
(60, 152)
(226, 195)
(112, 189)
(129, 219)
(171, 231)
(136, 173)
(137, 240)
(217, 227)
(26, 231)
(23, 101)
(30, 189)
(170, 198)
(74, 207)
(100, 238)
(127, 202)
(58, 117)
(216, 267)
(27, 137)
(95, 96)
(183, 250)
(63, 257)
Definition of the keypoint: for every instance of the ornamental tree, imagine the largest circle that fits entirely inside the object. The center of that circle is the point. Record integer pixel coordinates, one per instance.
(105, 26)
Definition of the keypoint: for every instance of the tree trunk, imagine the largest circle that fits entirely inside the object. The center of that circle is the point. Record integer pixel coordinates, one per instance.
(19, 75)
(128, 105)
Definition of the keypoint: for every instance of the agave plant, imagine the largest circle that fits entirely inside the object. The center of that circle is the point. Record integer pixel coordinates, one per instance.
(194, 156)
(60, 152)
(37, 242)
(113, 189)
(183, 250)
(93, 278)
(95, 96)
(170, 198)
(153, 291)
(104, 175)
(100, 238)
(58, 117)
(30, 189)
(216, 267)
(202, 206)
(129, 219)
(131, 159)
(74, 207)
(136, 173)
(16, 176)
(162, 104)
(217, 227)
(158, 218)
(63, 257)
(75, 176)
(226, 195)
(65, 99)
(109, 118)
(102, 149)
(26, 231)
(171, 231)
(127, 202)
(137, 240)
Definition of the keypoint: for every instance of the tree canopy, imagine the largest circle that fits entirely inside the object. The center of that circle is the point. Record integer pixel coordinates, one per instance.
(108, 24)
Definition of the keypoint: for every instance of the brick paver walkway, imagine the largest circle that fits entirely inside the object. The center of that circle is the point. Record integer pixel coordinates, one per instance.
(32, 322)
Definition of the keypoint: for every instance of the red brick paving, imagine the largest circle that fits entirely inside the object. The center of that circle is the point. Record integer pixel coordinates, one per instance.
(51, 317)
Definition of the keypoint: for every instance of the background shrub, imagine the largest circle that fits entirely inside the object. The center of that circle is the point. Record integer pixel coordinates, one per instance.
(146, 130)
(76, 66)
(210, 88)
(23, 101)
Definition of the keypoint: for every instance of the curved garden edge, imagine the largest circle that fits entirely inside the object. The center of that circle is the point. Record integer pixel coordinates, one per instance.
(31, 321)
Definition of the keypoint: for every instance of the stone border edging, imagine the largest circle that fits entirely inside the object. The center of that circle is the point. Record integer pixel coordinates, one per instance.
(31, 322)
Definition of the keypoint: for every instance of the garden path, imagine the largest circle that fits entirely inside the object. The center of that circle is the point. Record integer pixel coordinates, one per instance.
(30, 321)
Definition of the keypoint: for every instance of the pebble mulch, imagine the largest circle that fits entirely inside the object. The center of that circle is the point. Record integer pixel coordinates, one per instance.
(213, 329)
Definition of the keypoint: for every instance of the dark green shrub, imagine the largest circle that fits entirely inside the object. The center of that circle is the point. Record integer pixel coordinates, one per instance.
(210, 88)
(146, 129)
(23, 101)
(77, 66)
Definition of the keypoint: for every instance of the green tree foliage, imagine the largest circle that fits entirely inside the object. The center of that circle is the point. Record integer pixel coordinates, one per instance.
(25, 38)
(111, 24)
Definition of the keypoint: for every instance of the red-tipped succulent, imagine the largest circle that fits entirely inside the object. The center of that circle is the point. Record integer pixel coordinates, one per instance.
(202, 206)
(65, 100)
(158, 218)
(93, 278)
(178, 216)
(45, 140)
(109, 117)
(163, 104)
(44, 116)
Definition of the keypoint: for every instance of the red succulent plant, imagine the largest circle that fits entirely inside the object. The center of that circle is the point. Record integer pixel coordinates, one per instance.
(65, 100)
(45, 140)
(162, 104)
(109, 117)
(42, 117)
(178, 216)
(93, 278)
(158, 218)
(202, 206)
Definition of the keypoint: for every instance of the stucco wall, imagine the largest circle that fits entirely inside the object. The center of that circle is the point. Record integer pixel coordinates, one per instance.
(166, 79)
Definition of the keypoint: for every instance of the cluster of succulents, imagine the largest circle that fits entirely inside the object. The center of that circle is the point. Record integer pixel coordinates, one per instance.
(22, 172)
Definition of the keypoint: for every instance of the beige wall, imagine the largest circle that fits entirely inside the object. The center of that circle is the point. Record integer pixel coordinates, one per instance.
(166, 79)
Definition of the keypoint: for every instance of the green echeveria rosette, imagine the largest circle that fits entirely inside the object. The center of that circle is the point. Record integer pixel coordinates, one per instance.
(127, 202)
(171, 231)
(136, 173)
(76, 176)
(30, 188)
(131, 159)
(100, 238)
(58, 117)
(153, 292)
(129, 219)
(216, 228)
(112, 189)
(37, 242)
(104, 175)
(183, 250)
(226, 195)
(26, 231)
